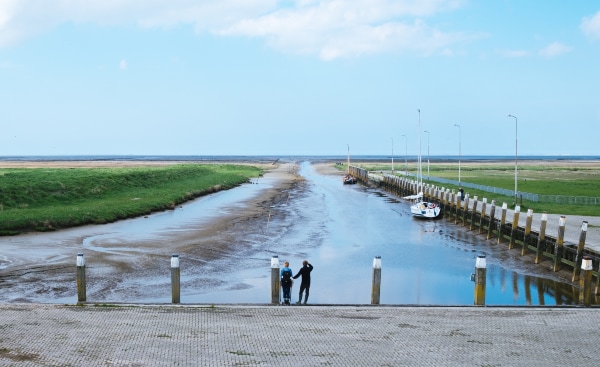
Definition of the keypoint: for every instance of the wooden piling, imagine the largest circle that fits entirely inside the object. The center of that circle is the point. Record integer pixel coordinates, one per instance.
(376, 284)
(456, 202)
(492, 215)
(465, 209)
(473, 213)
(527, 235)
(275, 279)
(502, 222)
(580, 248)
(175, 279)
(585, 283)
(480, 275)
(483, 213)
(81, 282)
(559, 246)
(541, 238)
(515, 227)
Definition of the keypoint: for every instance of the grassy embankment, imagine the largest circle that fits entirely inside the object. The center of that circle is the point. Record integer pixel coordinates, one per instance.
(543, 179)
(42, 199)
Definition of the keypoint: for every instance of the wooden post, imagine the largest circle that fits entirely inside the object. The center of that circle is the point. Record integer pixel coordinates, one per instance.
(457, 207)
(473, 213)
(585, 283)
(527, 236)
(580, 247)
(492, 215)
(81, 283)
(465, 209)
(480, 274)
(376, 287)
(502, 222)
(515, 227)
(541, 238)
(559, 248)
(275, 279)
(175, 279)
(483, 213)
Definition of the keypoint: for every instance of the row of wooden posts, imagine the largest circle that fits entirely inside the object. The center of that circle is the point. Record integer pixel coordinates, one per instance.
(479, 277)
(466, 213)
(175, 279)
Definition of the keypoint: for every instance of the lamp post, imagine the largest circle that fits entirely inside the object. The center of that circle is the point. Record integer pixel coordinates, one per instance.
(406, 154)
(459, 134)
(392, 156)
(427, 154)
(516, 157)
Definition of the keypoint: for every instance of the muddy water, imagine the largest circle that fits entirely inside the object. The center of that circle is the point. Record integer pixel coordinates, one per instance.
(338, 228)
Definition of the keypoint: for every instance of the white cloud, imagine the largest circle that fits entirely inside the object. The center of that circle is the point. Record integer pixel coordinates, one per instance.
(123, 65)
(591, 26)
(554, 49)
(328, 28)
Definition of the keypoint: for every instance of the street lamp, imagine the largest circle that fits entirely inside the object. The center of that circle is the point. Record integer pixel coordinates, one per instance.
(516, 157)
(427, 154)
(392, 156)
(406, 153)
(459, 134)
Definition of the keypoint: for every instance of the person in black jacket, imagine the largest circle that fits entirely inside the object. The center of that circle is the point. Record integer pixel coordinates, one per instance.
(305, 283)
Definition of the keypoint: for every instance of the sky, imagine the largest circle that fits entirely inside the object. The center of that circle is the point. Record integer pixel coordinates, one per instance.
(304, 77)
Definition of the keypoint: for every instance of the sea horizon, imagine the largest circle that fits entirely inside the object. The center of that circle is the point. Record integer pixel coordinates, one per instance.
(291, 158)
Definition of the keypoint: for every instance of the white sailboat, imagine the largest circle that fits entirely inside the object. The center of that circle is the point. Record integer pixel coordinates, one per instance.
(420, 208)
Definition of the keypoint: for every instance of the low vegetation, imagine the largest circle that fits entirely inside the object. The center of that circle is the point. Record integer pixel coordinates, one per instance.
(45, 199)
(547, 178)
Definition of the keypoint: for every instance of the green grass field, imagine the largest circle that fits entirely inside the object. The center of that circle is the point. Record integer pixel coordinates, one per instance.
(547, 178)
(44, 199)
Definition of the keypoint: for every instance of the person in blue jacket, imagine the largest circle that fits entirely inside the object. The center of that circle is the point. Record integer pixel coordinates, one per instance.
(305, 284)
(286, 282)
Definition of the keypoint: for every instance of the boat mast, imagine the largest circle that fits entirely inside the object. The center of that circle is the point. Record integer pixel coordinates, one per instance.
(420, 169)
(348, 164)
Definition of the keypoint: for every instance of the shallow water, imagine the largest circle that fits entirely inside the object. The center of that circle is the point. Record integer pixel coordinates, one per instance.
(338, 228)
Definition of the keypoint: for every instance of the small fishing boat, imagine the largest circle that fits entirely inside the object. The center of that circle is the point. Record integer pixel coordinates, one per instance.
(348, 179)
(420, 208)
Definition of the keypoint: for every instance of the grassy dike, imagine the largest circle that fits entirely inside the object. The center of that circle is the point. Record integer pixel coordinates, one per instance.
(45, 199)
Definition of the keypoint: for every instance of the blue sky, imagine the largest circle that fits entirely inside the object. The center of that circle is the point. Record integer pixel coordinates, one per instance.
(305, 77)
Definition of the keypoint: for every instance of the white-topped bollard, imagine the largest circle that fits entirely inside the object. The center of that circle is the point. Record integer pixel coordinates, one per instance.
(585, 281)
(81, 284)
(560, 240)
(175, 279)
(541, 238)
(480, 274)
(275, 279)
(376, 287)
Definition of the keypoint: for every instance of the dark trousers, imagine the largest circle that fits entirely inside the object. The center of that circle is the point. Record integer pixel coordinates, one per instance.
(303, 287)
(286, 292)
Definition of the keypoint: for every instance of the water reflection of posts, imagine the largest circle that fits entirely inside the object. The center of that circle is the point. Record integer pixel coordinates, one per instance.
(275, 279)
(558, 247)
(580, 247)
(541, 238)
(585, 283)
(480, 274)
(175, 279)
(81, 286)
(376, 288)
